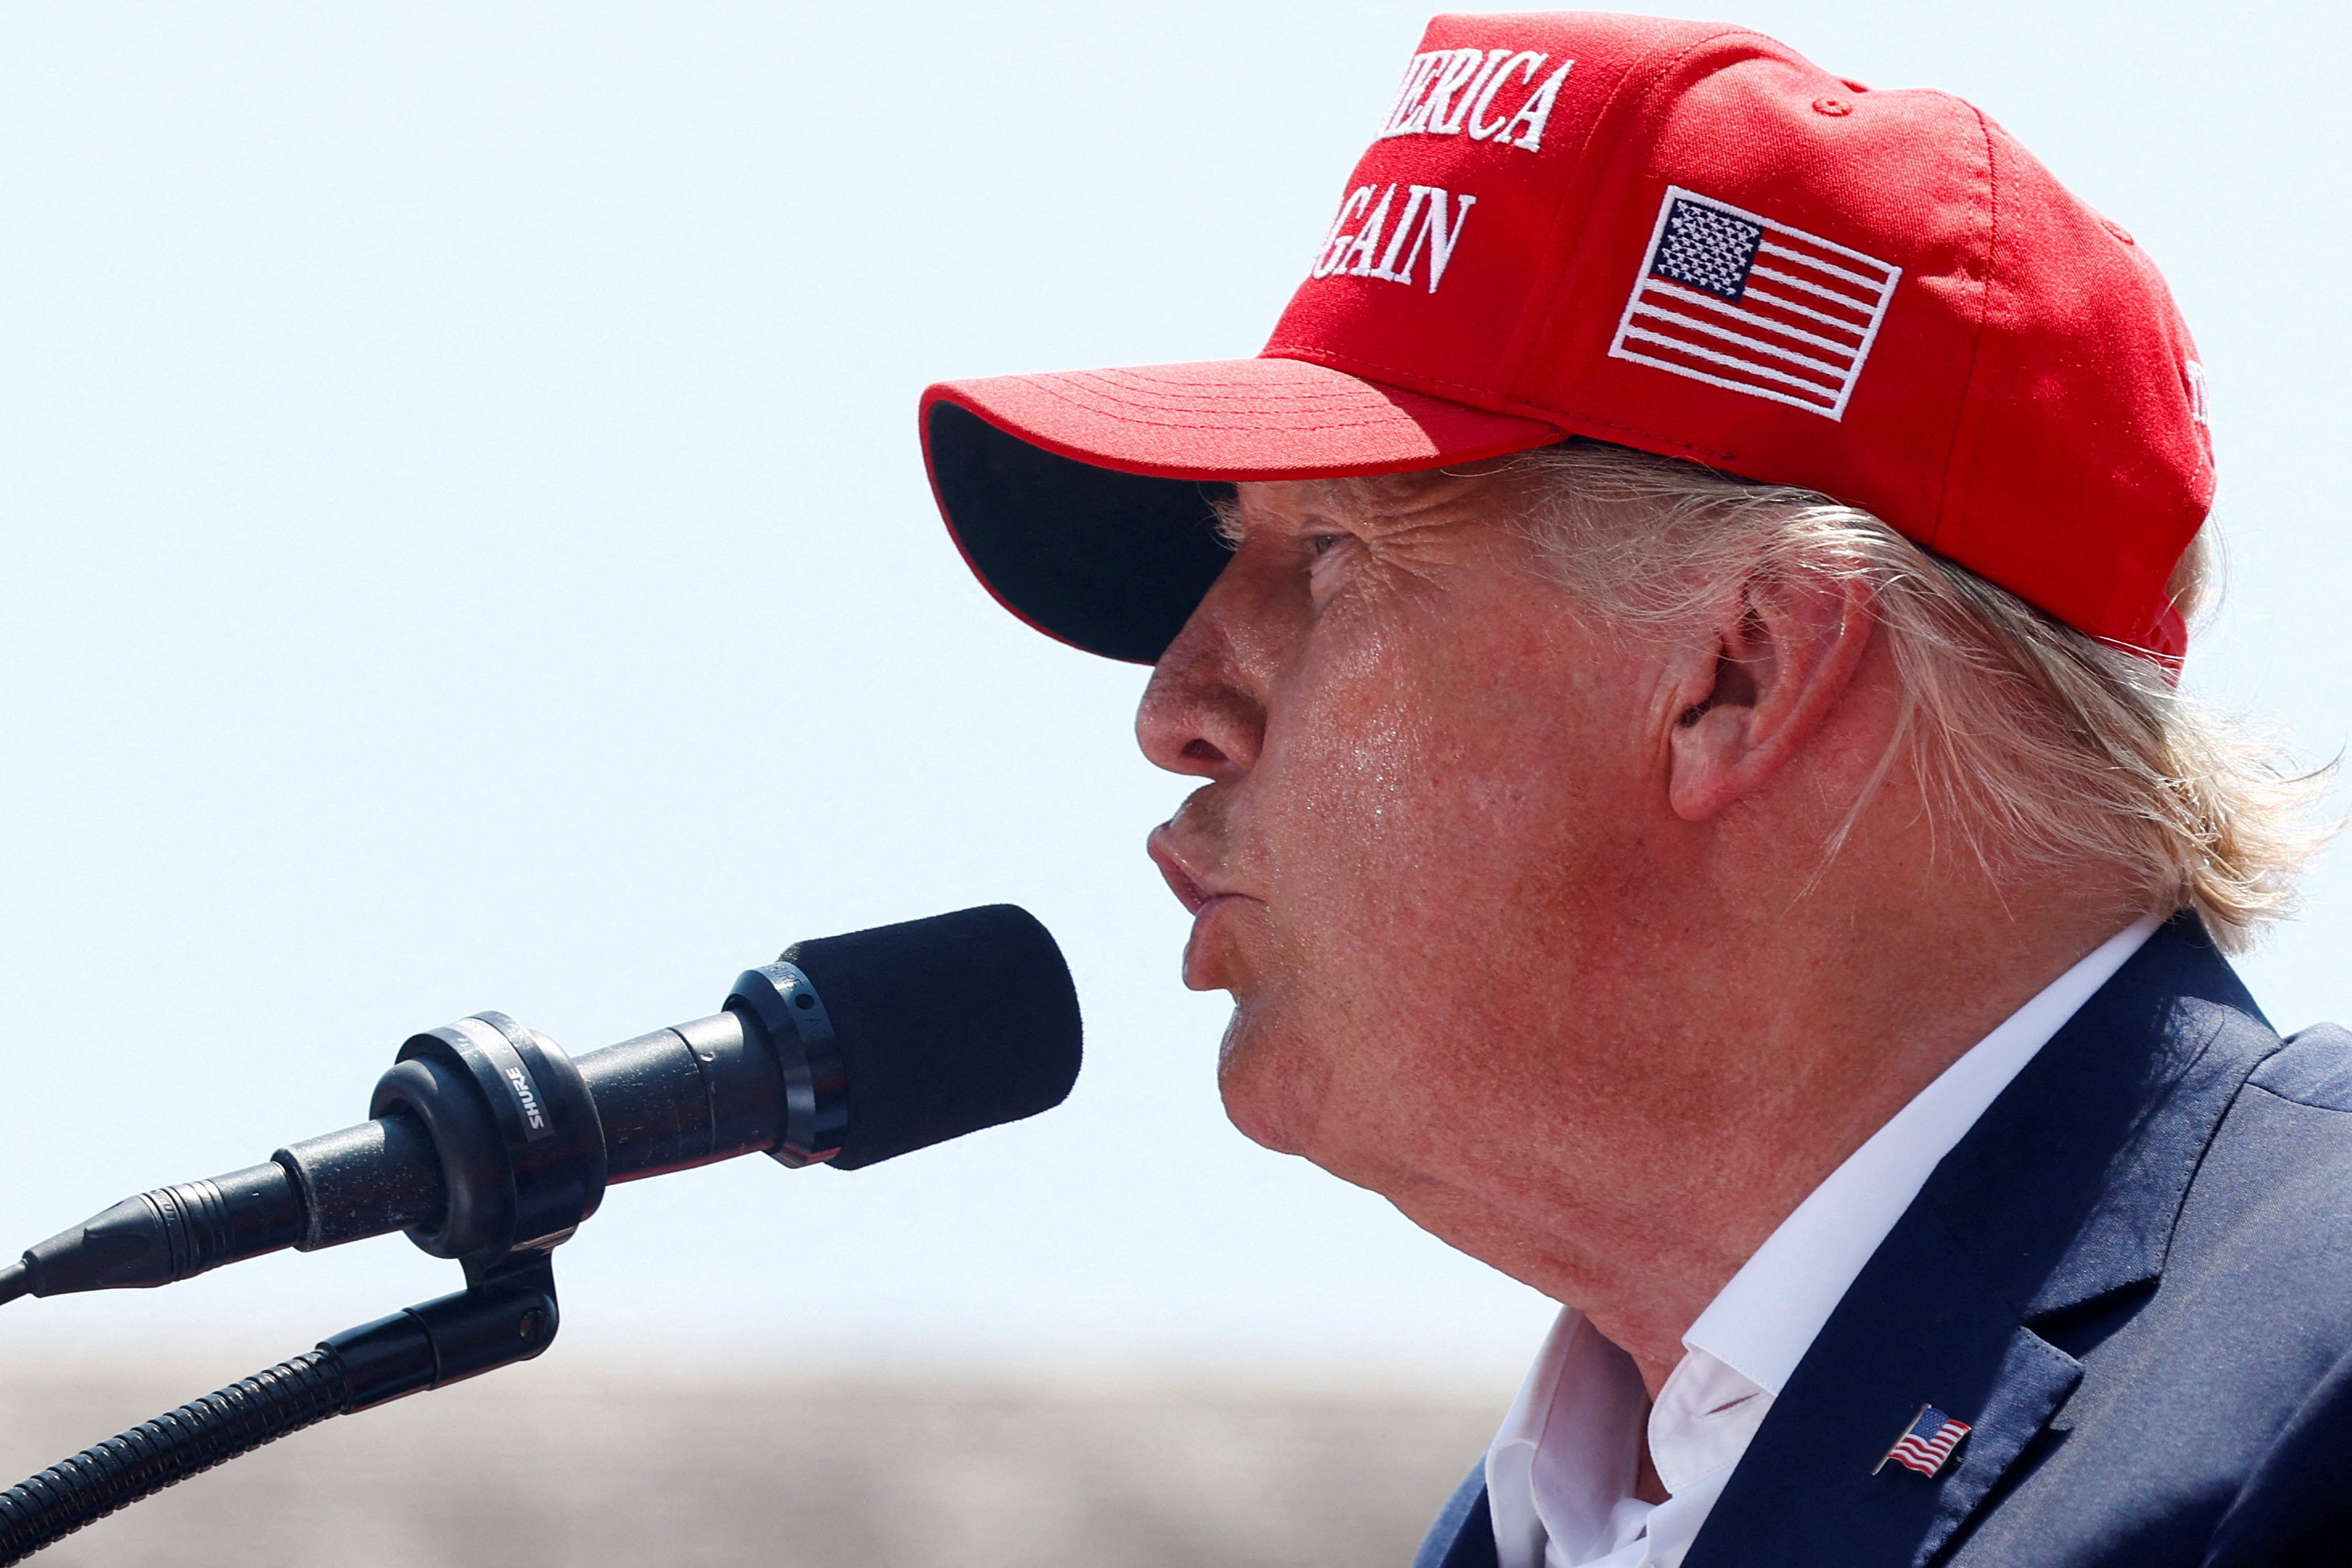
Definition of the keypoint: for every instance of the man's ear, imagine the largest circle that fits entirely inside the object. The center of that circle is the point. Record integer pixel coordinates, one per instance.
(1785, 651)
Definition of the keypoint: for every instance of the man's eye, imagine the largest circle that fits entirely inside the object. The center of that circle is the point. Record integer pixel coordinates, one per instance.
(1322, 543)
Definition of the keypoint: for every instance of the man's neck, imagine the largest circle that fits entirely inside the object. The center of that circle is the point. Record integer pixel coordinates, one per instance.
(1797, 1053)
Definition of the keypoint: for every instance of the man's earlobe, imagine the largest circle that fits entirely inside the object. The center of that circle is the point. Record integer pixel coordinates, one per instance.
(1708, 743)
(1783, 656)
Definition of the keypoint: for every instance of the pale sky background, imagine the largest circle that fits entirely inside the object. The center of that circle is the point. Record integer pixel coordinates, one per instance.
(467, 547)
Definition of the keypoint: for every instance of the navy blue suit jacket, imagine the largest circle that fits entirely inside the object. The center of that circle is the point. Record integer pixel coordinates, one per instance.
(2132, 1279)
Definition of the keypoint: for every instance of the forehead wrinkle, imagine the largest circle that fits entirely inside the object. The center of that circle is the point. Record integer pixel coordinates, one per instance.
(1403, 498)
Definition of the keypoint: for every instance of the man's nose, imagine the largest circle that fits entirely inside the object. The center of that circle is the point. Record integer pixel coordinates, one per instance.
(1204, 712)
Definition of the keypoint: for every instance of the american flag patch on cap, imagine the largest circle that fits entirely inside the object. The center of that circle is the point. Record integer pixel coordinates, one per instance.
(1926, 1443)
(1741, 302)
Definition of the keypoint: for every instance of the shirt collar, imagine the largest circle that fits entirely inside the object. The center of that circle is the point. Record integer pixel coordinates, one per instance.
(1761, 1324)
(1559, 1474)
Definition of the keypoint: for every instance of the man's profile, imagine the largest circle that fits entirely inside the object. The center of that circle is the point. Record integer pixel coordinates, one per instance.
(1680, 633)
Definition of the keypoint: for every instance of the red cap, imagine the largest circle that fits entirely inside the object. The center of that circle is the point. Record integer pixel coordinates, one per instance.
(1677, 237)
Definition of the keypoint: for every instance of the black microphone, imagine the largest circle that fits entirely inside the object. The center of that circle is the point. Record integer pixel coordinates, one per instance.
(485, 1139)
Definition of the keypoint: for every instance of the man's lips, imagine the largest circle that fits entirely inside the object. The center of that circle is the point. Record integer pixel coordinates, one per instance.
(1188, 890)
(1194, 879)
(1197, 891)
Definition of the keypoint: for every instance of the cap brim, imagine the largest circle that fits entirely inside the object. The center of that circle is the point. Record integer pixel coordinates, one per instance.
(1084, 500)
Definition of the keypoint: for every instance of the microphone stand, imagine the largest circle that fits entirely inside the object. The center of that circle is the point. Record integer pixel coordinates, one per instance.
(507, 1313)
(524, 1160)
(489, 1145)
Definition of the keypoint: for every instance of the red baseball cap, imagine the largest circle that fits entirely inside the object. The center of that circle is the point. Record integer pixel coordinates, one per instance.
(1678, 237)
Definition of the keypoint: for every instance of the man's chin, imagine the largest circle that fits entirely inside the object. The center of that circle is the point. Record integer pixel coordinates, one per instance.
(1268, 1095)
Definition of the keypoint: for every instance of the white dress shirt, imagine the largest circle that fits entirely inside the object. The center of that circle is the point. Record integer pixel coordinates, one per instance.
(1559, 1477)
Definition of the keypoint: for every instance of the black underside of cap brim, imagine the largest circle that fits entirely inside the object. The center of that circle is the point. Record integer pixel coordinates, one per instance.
(1109, 561)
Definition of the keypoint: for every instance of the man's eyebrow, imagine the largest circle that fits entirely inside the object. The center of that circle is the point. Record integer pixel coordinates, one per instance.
(1233, 526)
(1226, 511)
(1321, 505)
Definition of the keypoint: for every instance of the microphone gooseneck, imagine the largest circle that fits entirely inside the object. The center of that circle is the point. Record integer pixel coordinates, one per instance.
(156, 1454)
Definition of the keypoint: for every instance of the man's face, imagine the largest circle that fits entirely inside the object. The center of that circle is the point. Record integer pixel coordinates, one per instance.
(1433, 794)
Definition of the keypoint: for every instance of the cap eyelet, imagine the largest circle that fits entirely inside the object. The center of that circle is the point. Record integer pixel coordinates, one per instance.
(1832, 106)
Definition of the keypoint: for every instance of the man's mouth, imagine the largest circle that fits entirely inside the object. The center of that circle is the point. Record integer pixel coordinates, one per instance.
(1207, 958)
(1188, 888)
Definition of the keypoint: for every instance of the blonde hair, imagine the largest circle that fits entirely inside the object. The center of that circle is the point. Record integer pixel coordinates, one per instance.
(2042, 747)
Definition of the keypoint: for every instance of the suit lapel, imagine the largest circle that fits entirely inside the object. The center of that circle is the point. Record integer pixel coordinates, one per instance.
(2064, 1194)
(1464, 1535)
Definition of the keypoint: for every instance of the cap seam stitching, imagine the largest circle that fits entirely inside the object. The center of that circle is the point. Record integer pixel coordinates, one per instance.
(1535, 325)
(1059, 397)
(1984, 319)
(1544, 412)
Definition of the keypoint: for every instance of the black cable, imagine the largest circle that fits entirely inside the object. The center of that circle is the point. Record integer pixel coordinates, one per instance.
(15, 1281)
(156, 1454)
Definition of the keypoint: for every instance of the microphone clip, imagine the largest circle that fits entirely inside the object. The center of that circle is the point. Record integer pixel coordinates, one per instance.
(507, 1313)
(522, 1160)
(520, 1148)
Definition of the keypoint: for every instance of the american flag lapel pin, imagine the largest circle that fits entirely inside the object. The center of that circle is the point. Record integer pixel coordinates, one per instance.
(1927, 1444)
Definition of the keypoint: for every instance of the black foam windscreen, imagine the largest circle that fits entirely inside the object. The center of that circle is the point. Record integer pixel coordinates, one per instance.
(946, 1026)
